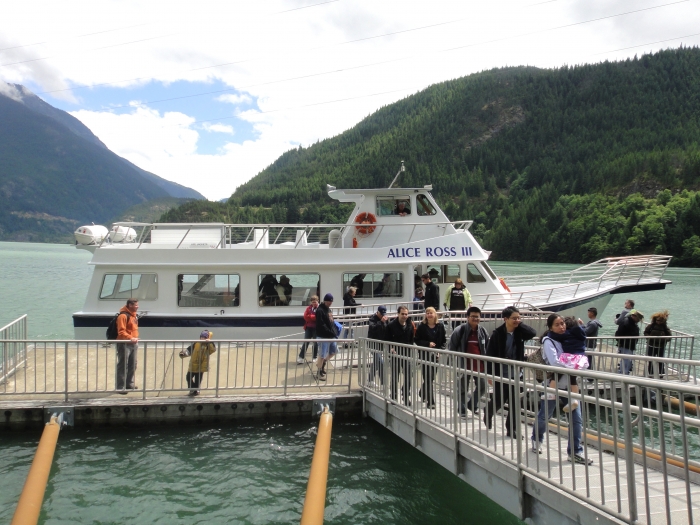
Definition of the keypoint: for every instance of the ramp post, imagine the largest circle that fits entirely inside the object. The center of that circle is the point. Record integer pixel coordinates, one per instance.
(29, 504)
(315, 500)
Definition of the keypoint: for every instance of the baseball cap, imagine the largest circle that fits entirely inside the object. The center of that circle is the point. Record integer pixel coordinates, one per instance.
(382, 309)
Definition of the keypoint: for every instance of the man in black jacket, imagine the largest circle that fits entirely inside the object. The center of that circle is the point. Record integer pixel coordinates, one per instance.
(377, 330)
(432, 294)
(401, 330)
(628, 328)
(325, 329)
(507, 342)
(470, 338)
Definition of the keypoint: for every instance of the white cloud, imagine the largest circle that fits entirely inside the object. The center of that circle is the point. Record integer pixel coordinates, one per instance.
(235, 99)
(218, 128)
(166, 144)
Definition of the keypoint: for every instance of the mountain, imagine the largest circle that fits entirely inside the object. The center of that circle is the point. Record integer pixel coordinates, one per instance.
(55, 174)
(560, 165)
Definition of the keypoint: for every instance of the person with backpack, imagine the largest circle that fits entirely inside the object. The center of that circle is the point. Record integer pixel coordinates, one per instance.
(199, 361)
(127, 324)
(470, 338)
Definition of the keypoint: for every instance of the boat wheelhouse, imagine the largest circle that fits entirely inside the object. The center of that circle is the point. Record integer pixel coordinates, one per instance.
(255, 280)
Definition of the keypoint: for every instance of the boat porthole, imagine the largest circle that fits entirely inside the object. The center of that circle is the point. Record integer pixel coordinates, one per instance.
(199, 407)
(163, 408)
(145, 409)
(217, 407)
(234, 406)
(127, 410)
(251, 405)
(181, 408)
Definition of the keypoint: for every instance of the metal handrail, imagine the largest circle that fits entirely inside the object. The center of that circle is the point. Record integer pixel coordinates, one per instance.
(650, 433)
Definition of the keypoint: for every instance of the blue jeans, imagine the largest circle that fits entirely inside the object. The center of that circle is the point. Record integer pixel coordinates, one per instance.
(546, 412)
(625, 364)
(309, 333)
(328, 348)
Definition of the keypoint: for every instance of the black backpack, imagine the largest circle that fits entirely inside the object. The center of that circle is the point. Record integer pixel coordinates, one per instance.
(112, 331)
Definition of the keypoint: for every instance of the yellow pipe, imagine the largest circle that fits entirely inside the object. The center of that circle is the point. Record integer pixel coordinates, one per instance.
(315, 501)
(29, 505)
(690, 408)
(637, 450)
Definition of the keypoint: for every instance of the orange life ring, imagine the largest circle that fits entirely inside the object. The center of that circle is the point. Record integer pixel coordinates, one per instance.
(503, 283)
(363, 219)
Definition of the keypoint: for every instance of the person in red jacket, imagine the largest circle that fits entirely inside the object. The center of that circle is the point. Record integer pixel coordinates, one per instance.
(128, 333)
(309, 329)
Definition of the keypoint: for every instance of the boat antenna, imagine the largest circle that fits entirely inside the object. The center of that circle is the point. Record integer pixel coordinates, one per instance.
(401, 170)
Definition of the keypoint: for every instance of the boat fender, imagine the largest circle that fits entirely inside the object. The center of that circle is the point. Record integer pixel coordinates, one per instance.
(363, 219)
(503, 283)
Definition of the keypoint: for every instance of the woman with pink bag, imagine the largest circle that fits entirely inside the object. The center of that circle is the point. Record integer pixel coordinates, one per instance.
(552, 350)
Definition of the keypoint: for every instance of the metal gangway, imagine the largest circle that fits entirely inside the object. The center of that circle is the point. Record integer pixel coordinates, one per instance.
(644, 451)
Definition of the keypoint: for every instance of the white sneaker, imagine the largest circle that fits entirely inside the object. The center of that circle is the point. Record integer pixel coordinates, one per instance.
(571, 406)
(300, 360)
(536, 447)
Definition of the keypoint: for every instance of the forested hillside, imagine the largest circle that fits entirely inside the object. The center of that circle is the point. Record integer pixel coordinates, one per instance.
(564, 165)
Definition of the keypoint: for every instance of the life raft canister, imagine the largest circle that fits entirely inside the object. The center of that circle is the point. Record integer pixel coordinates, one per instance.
(365, 221)
(503, 283)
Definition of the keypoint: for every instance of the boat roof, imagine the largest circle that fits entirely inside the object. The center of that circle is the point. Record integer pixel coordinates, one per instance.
(354, 195)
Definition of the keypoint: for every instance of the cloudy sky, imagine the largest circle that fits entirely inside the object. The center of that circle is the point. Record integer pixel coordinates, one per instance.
(209, 93)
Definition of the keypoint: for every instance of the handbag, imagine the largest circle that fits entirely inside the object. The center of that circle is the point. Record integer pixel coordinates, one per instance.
(536, 358)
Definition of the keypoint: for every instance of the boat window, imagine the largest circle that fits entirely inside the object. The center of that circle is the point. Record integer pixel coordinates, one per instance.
(424, 206)
(203, 290)
(371, 284)
(474, 275)
(287, 289)
(400, 205)
(123, 286)
(489, 271)
(443, 273)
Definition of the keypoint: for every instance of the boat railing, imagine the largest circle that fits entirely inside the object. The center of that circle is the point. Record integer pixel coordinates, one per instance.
(12, 350)
(628, 422)
(256, 236)
(632, 269)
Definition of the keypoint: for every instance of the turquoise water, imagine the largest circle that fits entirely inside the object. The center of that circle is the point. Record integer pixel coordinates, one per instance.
(246, 474)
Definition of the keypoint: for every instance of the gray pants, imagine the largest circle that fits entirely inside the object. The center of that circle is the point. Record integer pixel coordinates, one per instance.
(126, 365)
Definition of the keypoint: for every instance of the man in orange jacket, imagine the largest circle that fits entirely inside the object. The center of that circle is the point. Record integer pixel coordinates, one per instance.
(127, 330)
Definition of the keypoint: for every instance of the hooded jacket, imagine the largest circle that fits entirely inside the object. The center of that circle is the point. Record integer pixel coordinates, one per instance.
(325, 327)
(127, 325)
(591, 330)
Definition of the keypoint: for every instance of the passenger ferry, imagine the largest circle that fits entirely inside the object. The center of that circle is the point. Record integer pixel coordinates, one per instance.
(246, 281)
